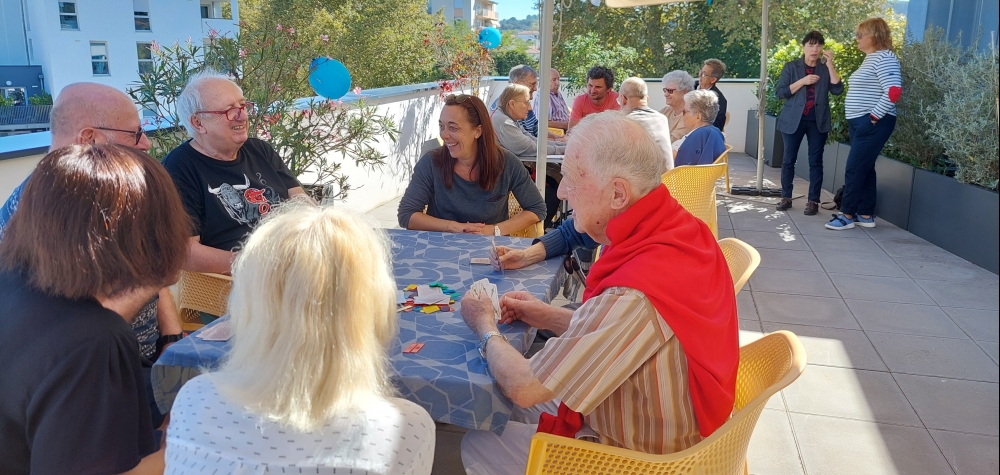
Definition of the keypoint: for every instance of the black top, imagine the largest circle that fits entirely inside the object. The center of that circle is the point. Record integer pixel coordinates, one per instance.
(809, 111)
(226, 199)
(720, 119)
(72, 397)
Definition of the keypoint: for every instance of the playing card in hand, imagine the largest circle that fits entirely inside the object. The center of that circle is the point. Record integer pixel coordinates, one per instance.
(495, 257)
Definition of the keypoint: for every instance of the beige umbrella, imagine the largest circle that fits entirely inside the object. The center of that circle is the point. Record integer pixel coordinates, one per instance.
(545, 64)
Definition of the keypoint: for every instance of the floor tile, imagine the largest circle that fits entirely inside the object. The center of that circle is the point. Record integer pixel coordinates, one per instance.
(773, 240)
(955, 269)
(724, 222)
(804, 310)
(771, 222)
(981, 325)
(790, 260)
(850, 393)
(979, 295)
(832, 446)
(932, 356)
(859, 264)
(724, 233)
(928, 320)
(745, 307)
(834, 346)
(951, 404)
(772, 448)
(991, 348)
(825, 243)
(911, 248)
(968, 454)
(796, 282)
(881, 289)
(749, 325)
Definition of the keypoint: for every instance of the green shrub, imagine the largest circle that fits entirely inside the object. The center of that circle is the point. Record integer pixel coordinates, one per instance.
(6, 102)
(583, 52)
(504, 60)
(43, 99)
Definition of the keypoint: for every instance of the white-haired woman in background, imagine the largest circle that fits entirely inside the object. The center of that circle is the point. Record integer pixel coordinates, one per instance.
(306, 383)
(702, 145)
(675, 84)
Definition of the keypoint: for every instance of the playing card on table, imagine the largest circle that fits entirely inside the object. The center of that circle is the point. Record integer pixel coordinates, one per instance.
(427, 295)
(219, 332)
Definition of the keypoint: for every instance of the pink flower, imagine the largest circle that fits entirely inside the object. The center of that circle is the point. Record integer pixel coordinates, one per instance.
(279, 26)
(212, 33)
(243, 53)
(325, 38)
(357, 90)
(291, 31)
(154, 46)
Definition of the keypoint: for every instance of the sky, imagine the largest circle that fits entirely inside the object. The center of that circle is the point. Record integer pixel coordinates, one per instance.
(515, 8)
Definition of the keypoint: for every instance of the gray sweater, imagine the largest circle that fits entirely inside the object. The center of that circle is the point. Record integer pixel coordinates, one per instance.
(512, 137)
(465, 201)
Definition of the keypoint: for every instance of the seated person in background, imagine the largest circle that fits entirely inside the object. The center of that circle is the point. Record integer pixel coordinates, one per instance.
(702, 145)
(514, 105)
(306, 383)
(75, 116)
(711, 71)
(558, 112)
(675, 85)
(227, 180)
(464, 184)
(99, 232)
(634, 96)
(558, 242)
(600, 95)
(526, 76)
(649, 362)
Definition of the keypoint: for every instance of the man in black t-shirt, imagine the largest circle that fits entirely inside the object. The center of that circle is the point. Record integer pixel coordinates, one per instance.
(226, 180)
(711, 71)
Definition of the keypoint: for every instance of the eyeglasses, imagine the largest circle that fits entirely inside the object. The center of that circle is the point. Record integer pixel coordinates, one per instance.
(233, 113)
(669, 90)
(137, 134)
(858, 35)
(456, 98)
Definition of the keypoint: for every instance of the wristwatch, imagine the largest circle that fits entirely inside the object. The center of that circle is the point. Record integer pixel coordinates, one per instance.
(486, 337)
(496, 230)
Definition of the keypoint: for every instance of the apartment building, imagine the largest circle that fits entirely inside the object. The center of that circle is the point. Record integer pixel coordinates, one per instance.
(103, 41)
(477, 13)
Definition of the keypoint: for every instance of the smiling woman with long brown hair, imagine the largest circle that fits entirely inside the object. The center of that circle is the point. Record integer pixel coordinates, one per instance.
(100, 230)
(464, 184)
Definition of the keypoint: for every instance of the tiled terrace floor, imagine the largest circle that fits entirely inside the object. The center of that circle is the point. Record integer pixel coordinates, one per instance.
(902, 340)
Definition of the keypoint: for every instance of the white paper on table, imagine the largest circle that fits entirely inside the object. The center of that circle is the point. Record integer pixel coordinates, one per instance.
(219, 332)
(400, 297)
(427, 295)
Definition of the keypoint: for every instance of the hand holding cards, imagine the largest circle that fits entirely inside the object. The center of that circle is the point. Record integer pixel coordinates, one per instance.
(484, 288)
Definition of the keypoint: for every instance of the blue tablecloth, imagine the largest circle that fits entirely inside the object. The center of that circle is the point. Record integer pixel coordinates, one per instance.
(447, 377)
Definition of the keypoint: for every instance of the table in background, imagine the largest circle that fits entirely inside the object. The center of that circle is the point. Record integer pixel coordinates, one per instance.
(447, 377)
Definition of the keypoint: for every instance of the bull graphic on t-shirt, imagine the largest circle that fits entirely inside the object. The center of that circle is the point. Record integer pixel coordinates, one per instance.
(244, 204)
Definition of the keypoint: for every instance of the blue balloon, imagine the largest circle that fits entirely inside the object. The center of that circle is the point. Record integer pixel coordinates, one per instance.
(489, 37)
(329, 77)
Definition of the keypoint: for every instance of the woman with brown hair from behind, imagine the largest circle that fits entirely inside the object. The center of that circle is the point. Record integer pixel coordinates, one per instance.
(101, 230)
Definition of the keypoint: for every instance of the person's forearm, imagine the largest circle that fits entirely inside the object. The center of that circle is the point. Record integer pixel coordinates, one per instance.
(517, 223)
(558, 124)
(534, 253)
(167, 320)
(201, 258)
(795, 86)
(513, 372)
(557, 320)
(426, 222)
(298, 191)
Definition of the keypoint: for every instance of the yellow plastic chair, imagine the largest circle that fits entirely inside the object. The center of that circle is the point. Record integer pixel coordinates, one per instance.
(742, 258)
(693, 186)
(534, 231)
(724, 158)
(766, 366)
(198, 292)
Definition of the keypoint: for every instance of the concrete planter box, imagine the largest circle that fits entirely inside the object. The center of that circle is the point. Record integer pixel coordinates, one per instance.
(774, 147)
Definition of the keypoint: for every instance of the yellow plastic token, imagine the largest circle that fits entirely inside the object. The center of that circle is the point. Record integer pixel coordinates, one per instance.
(430, 309)
(411, 287)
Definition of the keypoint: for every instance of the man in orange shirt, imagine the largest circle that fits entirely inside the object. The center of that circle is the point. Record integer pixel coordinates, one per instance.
(599, 97)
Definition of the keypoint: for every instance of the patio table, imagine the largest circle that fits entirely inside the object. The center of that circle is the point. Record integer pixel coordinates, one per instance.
(447, 377)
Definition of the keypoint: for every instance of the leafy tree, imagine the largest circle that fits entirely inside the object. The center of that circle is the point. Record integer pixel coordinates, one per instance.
(581, 53)
(513, 24)
(461, 60)
(505, 60)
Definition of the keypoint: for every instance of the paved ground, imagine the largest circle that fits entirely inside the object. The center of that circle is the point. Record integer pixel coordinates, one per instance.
(902, 339)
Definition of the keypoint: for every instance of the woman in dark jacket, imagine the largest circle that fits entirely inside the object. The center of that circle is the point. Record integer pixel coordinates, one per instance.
(806, 84)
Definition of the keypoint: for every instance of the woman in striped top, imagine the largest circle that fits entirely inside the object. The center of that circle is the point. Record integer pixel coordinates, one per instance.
(870, 108)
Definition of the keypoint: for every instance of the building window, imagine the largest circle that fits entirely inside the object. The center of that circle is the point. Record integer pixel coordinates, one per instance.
(217, 10)
(145, 52)
(141, 10)
(67, 16)
(15, 95)
(99, 58)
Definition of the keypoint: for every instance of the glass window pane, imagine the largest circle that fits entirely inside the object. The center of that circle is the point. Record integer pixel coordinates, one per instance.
(67, 7)
(142, 24)
(144, 50)
(99, 49)
(145, 67)
(68, 22)
(100, 67)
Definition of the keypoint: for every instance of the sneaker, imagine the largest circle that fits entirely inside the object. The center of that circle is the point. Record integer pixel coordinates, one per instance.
(868, 222)
(840, 222)
(784, 204)
(812, 208)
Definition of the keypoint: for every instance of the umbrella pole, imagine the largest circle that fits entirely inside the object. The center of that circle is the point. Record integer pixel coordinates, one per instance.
(544, 75)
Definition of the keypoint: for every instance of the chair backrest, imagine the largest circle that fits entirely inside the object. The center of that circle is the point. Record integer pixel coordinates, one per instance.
(742, 258)
(693, 186)
(198, 292)
(766, 366)
(534, 231)
(724, 158)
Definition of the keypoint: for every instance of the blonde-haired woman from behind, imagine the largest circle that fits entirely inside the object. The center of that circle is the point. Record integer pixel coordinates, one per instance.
(306, 382)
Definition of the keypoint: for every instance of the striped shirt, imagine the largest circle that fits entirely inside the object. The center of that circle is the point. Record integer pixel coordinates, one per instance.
(557, 107)
(868, 87)
(620, 365)
(529, 124)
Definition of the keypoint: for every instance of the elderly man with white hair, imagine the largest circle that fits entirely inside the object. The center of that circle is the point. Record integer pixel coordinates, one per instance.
(634, 98)
(675, 85)
(649, 361)
(226, 180)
